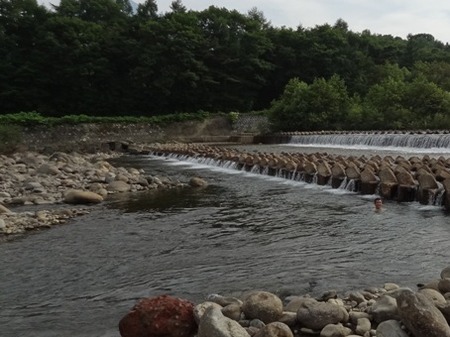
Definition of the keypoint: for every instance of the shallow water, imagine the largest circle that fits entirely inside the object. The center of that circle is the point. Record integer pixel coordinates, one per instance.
(242, 232)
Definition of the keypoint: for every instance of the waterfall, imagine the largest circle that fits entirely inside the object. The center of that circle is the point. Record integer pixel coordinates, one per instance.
(421, 141)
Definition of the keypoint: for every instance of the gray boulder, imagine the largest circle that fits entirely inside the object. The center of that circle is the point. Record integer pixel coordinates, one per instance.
(420, 315)
(263, 305)
(317, 315)
(214, 324)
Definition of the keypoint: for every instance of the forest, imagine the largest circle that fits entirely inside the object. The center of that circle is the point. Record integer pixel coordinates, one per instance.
(105, 58)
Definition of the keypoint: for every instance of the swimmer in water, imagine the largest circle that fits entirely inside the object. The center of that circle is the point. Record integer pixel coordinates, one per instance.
(378, 205)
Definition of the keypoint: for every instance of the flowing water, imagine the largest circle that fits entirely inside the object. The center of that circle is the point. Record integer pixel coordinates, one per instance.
(243, 232)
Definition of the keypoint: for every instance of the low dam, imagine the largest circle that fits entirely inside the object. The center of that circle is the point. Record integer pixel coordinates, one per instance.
(426, 179)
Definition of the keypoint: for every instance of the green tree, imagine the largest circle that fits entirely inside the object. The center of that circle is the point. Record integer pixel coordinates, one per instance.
(147, 10)
(425, 100)
(322, 105)
(21, 76)
(287, 113)
(328, 104)
(384, 108)
(98, 11)
(234, 50)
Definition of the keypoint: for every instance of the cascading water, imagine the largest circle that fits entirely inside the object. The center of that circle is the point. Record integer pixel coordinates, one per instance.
(440, 142)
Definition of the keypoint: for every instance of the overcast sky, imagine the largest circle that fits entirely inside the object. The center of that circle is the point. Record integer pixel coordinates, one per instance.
(394, 17)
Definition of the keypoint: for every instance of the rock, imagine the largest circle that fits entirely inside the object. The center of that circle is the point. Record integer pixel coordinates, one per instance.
(197, 182)
(214, 324)
(200, 309)
(275, 329)
(317, 315)
(4, 210)
(82, 197)
(48, 169)
(224, 300)
(118, 186)
(391, 328)
(363, 325)
(262, 305)
(445, 309)
(420, 316)
(289, 318)
(159, 316)
(335, 330)
(296, 302)
(232, 311)
(435, 296)
(445, 273)
(385, 308)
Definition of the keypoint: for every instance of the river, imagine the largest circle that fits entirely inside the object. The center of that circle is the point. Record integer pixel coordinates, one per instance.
(242, 232)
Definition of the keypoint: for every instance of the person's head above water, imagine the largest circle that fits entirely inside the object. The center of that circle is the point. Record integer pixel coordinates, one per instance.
(378, 203)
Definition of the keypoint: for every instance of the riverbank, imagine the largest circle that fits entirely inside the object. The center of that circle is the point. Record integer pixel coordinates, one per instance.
(389, 311)
(64, 185)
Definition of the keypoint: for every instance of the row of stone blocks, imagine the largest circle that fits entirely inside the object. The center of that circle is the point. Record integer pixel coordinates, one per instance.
(425, 179)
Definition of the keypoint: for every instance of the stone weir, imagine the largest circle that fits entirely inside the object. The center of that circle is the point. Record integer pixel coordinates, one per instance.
(426, 180)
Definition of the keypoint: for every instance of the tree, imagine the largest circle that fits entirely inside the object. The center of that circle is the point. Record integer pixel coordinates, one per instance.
(384, 108)
(323, 105)
(98, 11)
(21, 75)
(177, 6)
(328, 104)
(287, 113)
(148, 10)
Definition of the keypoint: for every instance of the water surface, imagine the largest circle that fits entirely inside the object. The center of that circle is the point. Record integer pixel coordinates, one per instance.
(242, 232)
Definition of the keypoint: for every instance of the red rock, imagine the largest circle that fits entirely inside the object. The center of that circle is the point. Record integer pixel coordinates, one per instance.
(162, 316)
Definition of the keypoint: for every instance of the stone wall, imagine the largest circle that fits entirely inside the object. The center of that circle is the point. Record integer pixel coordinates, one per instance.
(90, 137)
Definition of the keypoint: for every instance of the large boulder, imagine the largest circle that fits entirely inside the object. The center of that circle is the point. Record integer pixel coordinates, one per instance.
(263, 305)
(420, 315)
(159, 316)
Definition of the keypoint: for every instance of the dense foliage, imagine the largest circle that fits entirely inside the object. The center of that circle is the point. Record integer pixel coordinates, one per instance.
(102, 58)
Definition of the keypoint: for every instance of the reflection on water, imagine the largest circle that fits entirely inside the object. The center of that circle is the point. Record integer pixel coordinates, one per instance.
(242, 232)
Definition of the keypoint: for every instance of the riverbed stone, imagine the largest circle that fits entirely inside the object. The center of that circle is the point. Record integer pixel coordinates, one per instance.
(233, 311)
(274, 329)
(385, 308)
(262, 305)
(4, 209)
(317, 315)
(197, 182)
(159, 316)
(82, 197)
(200, 309)
(435, 296)
(118, 186)
(214, 324)
(420, 315)
(445, 273)
(335, 330)
(391, 328)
